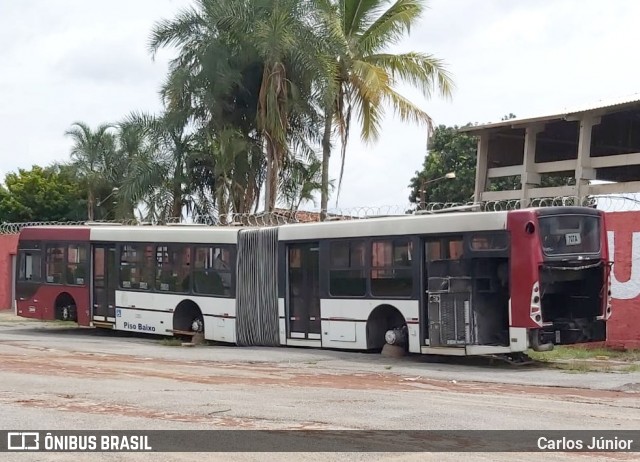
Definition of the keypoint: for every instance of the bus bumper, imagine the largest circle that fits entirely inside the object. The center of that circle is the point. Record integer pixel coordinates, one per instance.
(569, 333)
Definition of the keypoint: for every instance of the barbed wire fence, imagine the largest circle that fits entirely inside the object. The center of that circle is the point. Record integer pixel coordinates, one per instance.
(608, 203)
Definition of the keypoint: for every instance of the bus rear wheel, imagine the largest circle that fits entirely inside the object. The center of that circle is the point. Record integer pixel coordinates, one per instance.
(67, 313)
(386, 326)
(197, 325)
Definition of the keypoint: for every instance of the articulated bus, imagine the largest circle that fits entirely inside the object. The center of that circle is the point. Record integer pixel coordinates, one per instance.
(458, 283)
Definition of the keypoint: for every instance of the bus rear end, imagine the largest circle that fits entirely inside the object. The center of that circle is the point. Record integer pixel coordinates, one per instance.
(560, 273)
(52, 274)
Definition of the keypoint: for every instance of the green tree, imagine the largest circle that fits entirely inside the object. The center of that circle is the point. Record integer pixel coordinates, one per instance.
(366, 74)
(42, 194)
(453, 151)
(94, 157)
(449, 151)
(157, 167)
(276, 37)
(301, 181)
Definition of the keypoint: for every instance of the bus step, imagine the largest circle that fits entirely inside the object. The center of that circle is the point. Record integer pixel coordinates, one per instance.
(181, 332)
(103, 325)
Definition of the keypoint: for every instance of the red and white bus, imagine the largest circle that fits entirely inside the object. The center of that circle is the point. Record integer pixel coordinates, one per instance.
(459, 283)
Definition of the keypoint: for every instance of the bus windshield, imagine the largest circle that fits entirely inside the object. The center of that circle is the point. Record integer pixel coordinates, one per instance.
(570, 234)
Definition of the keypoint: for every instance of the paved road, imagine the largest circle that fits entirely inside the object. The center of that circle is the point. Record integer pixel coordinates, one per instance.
(73, 379)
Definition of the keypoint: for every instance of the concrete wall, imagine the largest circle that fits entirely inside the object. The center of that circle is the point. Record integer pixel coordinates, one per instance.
(624, 245)
(8, 246)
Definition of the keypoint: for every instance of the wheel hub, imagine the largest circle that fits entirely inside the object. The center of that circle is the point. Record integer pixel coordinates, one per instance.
(197, 325)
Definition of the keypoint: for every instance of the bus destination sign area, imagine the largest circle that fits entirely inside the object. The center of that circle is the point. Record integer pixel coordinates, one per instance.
(321, 441)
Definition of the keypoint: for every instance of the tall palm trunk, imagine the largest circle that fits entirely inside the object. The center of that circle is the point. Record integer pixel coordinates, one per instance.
(176, 206)
(326, 154)
(273, 120)
(90, 204)
(268, 184)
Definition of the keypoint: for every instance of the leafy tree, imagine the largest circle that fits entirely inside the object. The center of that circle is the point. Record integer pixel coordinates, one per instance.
(157, 165)
(94, 157)
(301, 181)
(449, 151)
(42, 194)
(366, 74)
(454, 151)
(228, 42)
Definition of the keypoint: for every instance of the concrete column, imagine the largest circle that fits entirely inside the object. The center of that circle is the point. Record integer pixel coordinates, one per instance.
(481, 166)
(529, 177)
(584, 172)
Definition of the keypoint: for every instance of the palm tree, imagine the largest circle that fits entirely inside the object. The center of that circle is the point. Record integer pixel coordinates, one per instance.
(275, 36)
(301, 180)
(157, 174)
(221, 168)
(92, 156)
(366, 74)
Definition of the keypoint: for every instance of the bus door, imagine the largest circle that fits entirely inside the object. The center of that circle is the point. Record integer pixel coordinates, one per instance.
(104, 283)
(303, 291)
(447, 298)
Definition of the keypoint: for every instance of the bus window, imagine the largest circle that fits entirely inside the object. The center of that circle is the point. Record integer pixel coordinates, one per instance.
(76, 264)
(54, 263)
(444, 249)
(455, 249)
(391, 274)
(346, 269)
(136, 266)
(570, 234)
(494, 241)
(212, 271)
(434, 250)
(173, 268)
(29, 266)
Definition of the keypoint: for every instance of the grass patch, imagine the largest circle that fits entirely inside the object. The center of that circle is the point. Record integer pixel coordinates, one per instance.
(578, 352)
(577, 367)
(388, 367)
(631, 368)
(171, 341)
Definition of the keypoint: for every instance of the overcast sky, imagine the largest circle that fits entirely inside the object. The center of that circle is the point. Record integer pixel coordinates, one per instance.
(67, 60)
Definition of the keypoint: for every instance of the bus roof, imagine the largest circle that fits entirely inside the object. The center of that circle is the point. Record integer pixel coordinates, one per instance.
(54, 233)
(196, 235)
(396, 226)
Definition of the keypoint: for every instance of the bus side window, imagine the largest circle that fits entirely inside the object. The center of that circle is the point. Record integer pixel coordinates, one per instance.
(29, 265)
(455, 249)
(54, 263)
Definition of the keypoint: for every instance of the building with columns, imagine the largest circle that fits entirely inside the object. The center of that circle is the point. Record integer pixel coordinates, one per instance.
(601, 142)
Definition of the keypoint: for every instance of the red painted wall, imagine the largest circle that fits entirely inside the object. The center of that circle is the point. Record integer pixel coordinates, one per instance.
(624, 248)
(8, 247)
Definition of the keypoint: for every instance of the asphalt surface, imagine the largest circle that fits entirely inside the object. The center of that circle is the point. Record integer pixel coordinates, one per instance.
(60, 378)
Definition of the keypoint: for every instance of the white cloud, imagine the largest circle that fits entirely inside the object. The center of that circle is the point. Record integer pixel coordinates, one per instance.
(74, 60)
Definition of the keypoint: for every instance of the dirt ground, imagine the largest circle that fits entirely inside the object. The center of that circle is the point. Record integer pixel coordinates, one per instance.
(64, 378)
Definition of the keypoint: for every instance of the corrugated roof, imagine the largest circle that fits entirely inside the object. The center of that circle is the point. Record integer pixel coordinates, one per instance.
(619, 103)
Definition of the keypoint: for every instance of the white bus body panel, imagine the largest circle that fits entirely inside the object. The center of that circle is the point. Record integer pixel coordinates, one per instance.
(282, 322)
(148, 322)
(156, 310)
(395, 226)
(344, 321)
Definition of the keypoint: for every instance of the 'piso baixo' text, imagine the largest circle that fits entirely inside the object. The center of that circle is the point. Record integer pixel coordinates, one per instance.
(139, 327)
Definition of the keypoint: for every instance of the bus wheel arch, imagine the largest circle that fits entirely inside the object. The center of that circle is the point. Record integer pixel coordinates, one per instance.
(383, 318)
(188, 317)
(65, 307)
